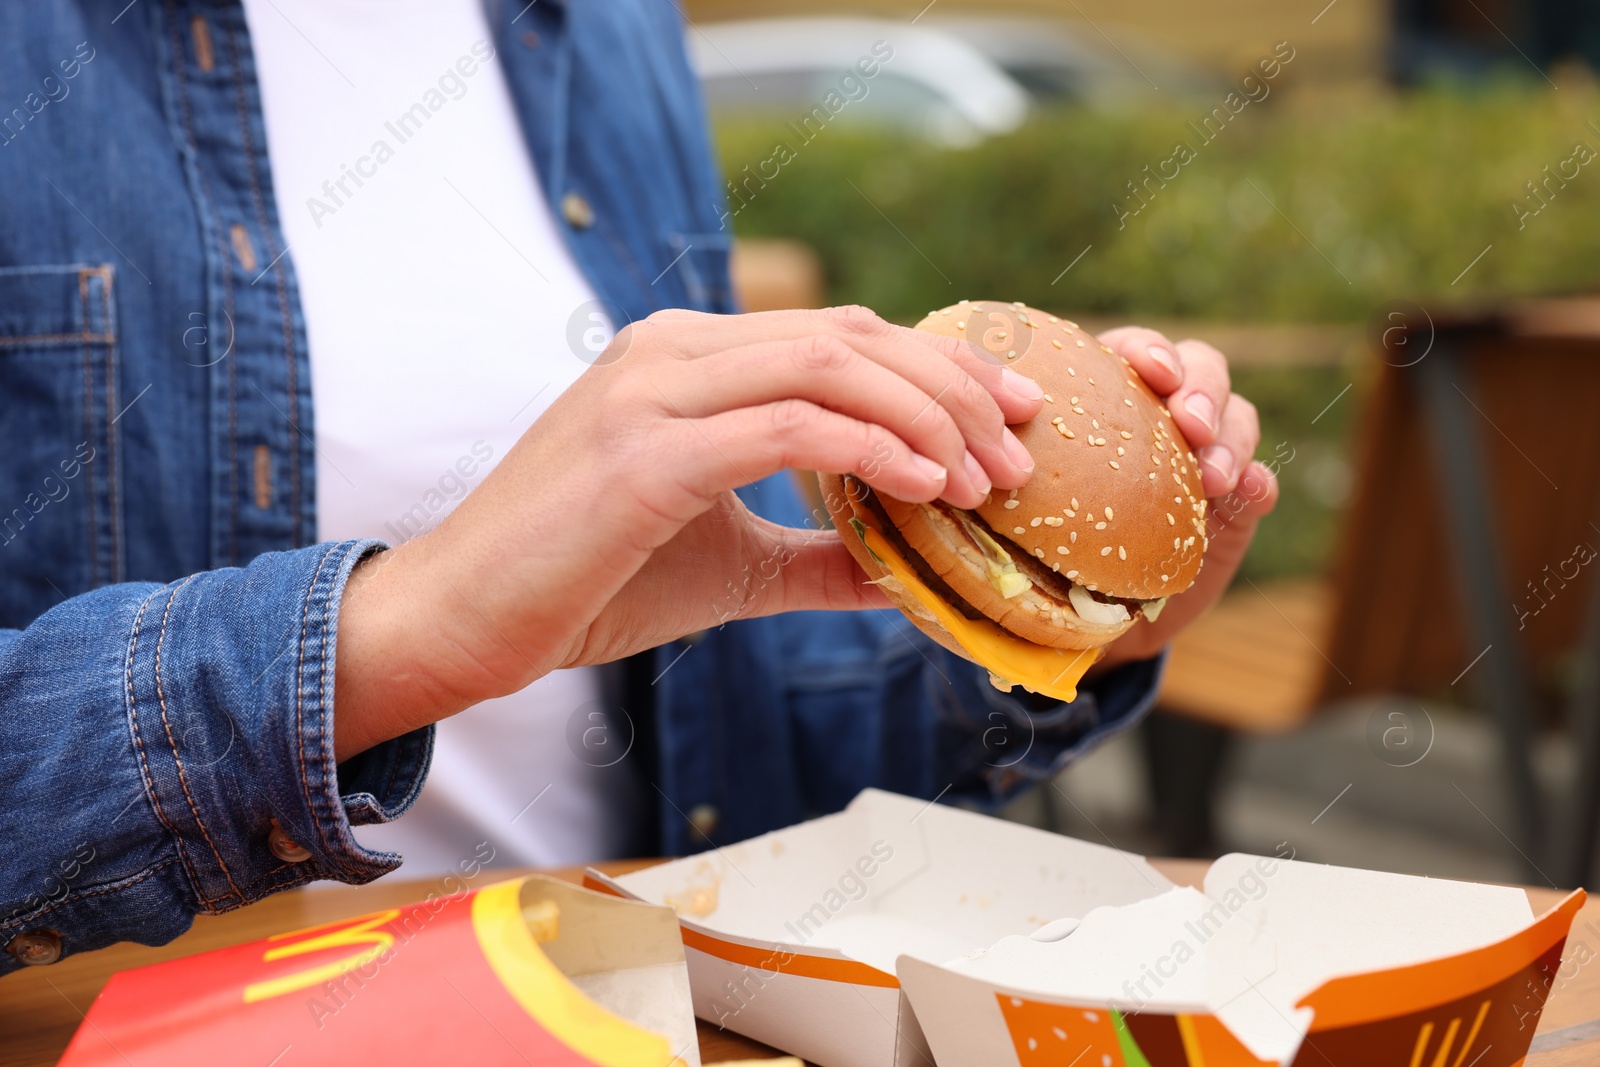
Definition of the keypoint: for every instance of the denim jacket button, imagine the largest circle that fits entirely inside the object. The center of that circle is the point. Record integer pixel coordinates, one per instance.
(36, 947)
(285, 847)
(704, 818)
(577, 211)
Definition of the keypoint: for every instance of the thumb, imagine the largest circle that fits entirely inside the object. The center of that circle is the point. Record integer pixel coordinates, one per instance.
(814, 572)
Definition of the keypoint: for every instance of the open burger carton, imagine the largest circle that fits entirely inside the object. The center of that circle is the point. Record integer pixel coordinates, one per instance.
(899, 933)
(530, 971)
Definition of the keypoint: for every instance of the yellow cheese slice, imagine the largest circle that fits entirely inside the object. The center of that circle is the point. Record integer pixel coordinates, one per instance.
(1051, 672)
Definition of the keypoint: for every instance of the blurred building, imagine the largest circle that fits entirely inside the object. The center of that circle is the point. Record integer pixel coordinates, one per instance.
(1466, 39)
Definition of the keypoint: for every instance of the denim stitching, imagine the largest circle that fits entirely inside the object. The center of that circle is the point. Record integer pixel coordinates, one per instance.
(88, 434)
(113, 435)
(300, 701)
(132, 880)
(291, 381)
(144, 763)
(175, 49)
(183, 777)
(86, 336)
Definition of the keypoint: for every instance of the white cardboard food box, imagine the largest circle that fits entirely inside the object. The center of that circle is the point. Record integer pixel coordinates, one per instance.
(900, 933)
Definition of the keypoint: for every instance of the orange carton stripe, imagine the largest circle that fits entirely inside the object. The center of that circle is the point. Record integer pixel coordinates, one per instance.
(772, 961)
(1362, 998)
(777, 960)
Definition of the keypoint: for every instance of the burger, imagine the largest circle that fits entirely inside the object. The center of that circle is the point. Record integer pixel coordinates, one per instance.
(1033, 583)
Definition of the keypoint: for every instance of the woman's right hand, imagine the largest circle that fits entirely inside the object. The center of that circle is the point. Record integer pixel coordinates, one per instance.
(612, 527)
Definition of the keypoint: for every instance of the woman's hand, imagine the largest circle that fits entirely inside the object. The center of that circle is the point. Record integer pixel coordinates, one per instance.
(611, 526)
(1191, 377)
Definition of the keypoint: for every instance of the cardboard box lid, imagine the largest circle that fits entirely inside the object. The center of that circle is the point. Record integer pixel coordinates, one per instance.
(892, 875)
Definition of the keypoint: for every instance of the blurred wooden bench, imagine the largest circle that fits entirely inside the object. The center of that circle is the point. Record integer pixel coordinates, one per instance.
(1477, 479)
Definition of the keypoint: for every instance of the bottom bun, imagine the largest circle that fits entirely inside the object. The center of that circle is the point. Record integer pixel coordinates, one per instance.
(842, 508)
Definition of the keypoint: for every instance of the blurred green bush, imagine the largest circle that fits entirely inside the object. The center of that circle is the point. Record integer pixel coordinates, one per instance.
(1304, 209)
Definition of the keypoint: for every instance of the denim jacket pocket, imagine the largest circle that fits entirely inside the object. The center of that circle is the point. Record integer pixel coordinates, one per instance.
(60, 533)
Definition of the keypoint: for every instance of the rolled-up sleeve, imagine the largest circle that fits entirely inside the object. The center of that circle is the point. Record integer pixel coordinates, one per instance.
(168, 750)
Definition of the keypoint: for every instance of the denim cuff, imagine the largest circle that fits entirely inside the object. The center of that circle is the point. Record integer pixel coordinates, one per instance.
(170, 750)
(235, 731)
(1018, 745)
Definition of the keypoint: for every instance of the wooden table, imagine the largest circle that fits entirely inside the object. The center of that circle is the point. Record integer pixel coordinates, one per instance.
(41, 1007)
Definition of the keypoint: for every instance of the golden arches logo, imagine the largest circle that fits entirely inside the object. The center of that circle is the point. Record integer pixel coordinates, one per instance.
(363, 934)
(1441, 1056)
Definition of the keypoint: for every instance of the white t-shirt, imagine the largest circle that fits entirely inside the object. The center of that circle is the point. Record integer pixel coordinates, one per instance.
(437, 294)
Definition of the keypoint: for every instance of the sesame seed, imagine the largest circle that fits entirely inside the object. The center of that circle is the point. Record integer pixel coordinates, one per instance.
(1054, 342)
(1069, 513)
(1053, 318)
(1074, 400)
(1108, 513)
(1057, 421)
(1036, 521)
(1115, 465)
(1177, 542)
(1013, 494)
(1122, 553)
(1095, 423)
(1078, 410)
(1100, 525)
(1056, 567)
(1048, 399)
(1018, 529)
(1039, 552)
(1106, 349)
(1106, 551)
(1069, 433)
(1119, 450)
(1011, 503)
(1126, 436)
(1070, 370)
(1091, 380)
(1080, 342)
(1170, 520)
(1177, 500)
(1074, 503)
(1128, 402)
(1074, 537)
(961, 324)
(1164, 578)
(1062, 550)
(1151, 476)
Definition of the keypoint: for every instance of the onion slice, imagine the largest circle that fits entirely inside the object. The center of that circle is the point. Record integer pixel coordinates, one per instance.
(1091, 610)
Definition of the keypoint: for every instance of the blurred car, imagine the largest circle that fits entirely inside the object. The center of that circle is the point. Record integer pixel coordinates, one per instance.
(932, 83)
(952, 79)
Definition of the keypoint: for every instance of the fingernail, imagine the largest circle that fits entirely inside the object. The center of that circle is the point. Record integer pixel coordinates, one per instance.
(1023, 386)
(980, 480)
(1015, 450)
(1167, 358)
(1200, 406)
(1220, 459)
(934, 470)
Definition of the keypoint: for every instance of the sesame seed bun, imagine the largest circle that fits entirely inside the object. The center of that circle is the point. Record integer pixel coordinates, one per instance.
(1154, 535)
(1114, 506)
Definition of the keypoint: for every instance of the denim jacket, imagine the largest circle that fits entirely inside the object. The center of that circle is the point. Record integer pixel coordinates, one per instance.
(167, 625)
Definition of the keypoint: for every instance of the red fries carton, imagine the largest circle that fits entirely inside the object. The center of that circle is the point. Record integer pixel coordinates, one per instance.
(531, 971)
